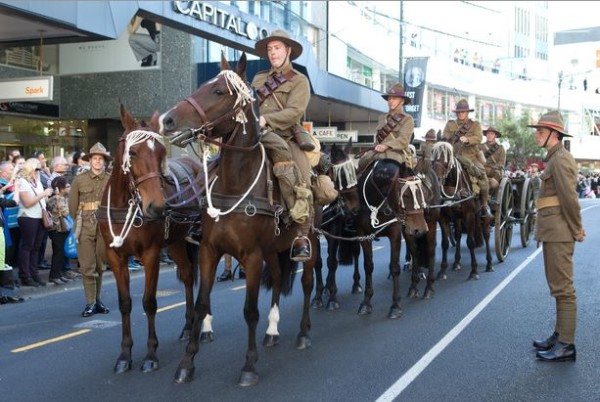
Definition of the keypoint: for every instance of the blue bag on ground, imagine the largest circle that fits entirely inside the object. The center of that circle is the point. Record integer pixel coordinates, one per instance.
(71, 246)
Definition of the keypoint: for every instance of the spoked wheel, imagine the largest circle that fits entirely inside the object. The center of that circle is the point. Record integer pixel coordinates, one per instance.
(503, 219)
(527, 213)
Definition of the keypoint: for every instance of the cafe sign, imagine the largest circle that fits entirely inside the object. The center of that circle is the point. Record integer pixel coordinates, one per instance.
(26, 89)
(332, 134)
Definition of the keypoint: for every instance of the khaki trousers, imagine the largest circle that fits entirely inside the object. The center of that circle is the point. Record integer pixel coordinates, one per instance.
(91, 255)
(558, 265)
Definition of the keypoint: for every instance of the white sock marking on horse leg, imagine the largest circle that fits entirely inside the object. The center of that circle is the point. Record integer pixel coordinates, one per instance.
(273, 321)
(207, 324)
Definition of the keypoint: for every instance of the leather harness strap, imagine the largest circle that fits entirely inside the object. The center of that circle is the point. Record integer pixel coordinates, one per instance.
(391, 123)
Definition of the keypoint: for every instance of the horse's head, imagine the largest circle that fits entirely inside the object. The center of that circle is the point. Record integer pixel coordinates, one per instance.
(141, 162)
(403, 190)
(343, 175)
(213, 110)
(442, 160)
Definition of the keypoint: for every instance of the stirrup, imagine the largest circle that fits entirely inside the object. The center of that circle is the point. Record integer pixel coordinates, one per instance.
(303, 253)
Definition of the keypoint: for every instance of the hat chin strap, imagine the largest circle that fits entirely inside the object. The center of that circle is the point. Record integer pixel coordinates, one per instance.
(287, 58)
(547, 138)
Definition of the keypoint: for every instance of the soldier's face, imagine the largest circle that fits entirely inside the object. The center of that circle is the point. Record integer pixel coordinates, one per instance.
(97, 162)
(394, 102)
(490, 136)
(541, 134)
(462, 115)
(278, 53)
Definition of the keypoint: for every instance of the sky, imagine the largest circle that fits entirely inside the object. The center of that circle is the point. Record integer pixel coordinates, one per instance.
(565, 15)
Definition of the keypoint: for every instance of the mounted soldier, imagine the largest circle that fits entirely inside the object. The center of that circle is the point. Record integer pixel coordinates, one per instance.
(394, 132)
(465, 135)
(284, 94)
(495, 158)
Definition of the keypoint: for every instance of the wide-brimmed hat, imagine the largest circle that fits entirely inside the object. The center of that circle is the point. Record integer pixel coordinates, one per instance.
(552, 120)
(97, 149)
(463, 106)
(281, 35)
(397, 91)
(430, 135)
(534, 165)
(493, 130)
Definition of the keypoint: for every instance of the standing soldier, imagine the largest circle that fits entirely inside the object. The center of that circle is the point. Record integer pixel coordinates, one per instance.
(394, 131)
(495, 158)
(465, 135)
(84, 200)
(558, 226)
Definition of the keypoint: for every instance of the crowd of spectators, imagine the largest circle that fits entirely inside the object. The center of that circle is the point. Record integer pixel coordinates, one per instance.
(587, 185)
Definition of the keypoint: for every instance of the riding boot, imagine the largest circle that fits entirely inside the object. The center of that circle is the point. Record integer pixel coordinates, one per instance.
(194, 234)
(301, 247)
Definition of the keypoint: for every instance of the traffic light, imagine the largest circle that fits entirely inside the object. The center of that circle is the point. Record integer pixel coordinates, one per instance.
(568, 145)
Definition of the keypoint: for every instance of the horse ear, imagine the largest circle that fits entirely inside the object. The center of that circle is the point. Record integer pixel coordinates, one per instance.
(241, 66)
(224, 63)
(154, 124)
(348, 147)
(127, 120)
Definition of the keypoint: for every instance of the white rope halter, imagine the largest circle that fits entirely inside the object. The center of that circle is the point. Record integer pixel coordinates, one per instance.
(442, 151)
(244, 95)
(133, 138)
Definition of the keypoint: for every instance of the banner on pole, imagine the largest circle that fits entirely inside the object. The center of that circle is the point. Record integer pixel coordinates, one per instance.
(414, 86)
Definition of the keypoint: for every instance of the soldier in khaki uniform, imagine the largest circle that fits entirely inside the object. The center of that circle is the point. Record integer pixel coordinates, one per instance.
(284, 94)
(86, 193)
(465, 135)
(495, 158)
(394, 131)
(558, 227)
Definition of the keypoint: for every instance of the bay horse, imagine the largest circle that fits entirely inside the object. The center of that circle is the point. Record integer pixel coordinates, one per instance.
(133, 220)
(339, 229)
(390, 203)
(422, 249)
(461, 207)
(243, 217)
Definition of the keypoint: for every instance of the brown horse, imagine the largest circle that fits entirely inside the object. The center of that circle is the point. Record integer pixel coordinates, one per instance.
(243, 217)
(462, 207)
(339, 230)
(134, 219)
(391, 204)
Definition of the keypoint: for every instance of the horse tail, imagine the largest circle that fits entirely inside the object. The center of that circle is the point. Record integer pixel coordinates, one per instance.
(287, 270)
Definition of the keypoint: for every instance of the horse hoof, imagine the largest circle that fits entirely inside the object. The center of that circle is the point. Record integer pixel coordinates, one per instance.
(442, 277)
(413, 294)
(456, 267)
(185, 335)
(149, 366)
(407, 266)
(270, 340)
(474, 277)
(428, 294)
(365, 309)
(333, 306)
(248, 378)
(303, 342)
(183, 376)
(317, 304)
(490, 269)
(122, 366)
(207, 337)
(356, 289)
(395, 312)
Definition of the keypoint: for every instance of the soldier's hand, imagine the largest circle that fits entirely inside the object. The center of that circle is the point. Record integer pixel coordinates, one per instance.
(464, 139)
(580, 236)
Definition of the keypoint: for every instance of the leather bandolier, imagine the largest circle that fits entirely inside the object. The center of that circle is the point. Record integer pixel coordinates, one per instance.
(273, 82)
(464, 129)
(392, 122)
(491, 150)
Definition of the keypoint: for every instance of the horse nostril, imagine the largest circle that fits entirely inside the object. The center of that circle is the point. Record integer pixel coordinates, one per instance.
(169, 123)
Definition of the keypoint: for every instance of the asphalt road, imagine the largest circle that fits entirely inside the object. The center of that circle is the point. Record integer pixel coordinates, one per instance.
(471, 342)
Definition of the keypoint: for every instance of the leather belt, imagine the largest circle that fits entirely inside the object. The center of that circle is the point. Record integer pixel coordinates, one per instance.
(547, 202)
(89, 206)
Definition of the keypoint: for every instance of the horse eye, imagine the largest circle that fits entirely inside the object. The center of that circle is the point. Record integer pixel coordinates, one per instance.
(219, 91)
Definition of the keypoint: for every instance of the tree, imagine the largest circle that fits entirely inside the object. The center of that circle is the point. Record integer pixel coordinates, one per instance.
(521, 142)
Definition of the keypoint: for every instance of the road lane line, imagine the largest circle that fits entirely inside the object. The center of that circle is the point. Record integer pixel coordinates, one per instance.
(403, 382)
(160, 310)
(49, 341)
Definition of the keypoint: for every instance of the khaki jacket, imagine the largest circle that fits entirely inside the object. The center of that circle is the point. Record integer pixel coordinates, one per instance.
(474, 135)
(559, 223)
(494, 165)
(293, 95)
(399, 137)
(86, 194)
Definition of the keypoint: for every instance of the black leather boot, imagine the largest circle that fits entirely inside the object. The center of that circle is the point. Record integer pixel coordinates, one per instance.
(560, 352)
(194, 235)
(300, 249)
(546, 344)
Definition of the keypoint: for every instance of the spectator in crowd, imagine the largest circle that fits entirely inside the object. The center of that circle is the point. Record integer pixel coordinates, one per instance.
(7, 283)
(84, 199)
(44, 169)
(227, 274)
(59, 210)
(58, 167)
(12, 234)
(12, 154)
(78, 165)
(31, 197)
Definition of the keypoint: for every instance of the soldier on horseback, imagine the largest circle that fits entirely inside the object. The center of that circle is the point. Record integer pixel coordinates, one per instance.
(394, 131)
(465, 135)
(284, 94)
(495, 158)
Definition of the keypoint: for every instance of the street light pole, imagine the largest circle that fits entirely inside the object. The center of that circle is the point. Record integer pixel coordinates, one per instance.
(560, 78)
(400, 74)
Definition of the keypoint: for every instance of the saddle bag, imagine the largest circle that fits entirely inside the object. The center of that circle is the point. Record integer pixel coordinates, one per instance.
(323, 190)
